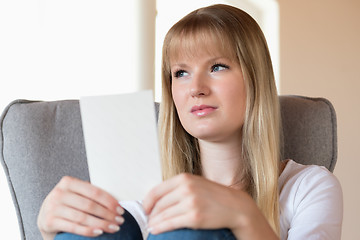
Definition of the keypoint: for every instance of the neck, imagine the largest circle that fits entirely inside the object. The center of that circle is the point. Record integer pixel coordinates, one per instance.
(221, 162)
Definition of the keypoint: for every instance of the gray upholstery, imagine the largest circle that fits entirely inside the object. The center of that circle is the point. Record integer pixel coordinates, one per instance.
(309, 131)
(42, 141)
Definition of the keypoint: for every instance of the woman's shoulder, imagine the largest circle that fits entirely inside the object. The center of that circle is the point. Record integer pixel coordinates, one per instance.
(298, 181)
(311, 202)
(296, 174)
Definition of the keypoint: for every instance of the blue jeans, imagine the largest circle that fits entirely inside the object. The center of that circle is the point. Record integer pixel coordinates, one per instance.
(190, 234)
(130, 230)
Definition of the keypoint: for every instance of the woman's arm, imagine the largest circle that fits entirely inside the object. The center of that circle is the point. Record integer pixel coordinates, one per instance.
(188, 201)
(78, 207)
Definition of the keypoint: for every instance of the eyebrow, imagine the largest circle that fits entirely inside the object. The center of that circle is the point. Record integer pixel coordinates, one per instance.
(181, 65)
(214, 59)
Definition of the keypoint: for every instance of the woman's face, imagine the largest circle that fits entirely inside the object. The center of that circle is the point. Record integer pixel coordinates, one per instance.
(209, 94)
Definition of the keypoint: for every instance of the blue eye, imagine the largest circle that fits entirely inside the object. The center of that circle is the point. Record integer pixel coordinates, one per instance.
(219, 67)
(180, 73)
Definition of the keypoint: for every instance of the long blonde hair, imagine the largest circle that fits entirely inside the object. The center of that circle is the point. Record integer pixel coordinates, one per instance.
(237, 34)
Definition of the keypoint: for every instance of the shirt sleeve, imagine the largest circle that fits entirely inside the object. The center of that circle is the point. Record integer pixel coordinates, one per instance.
(318, 207)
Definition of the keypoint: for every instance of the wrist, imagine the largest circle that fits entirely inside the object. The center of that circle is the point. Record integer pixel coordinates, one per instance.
(250, 223)
(253, 229)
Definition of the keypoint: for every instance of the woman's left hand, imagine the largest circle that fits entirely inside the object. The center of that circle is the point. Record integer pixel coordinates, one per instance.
(189, 201)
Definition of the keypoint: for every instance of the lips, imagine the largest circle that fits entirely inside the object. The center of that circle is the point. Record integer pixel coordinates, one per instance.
(202, 110)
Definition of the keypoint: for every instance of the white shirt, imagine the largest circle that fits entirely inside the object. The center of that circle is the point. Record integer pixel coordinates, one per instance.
(311, 204)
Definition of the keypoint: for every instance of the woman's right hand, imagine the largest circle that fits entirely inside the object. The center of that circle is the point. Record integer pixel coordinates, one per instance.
(76, 206)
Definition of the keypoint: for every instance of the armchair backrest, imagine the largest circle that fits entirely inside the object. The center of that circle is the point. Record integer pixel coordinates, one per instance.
(42, 141)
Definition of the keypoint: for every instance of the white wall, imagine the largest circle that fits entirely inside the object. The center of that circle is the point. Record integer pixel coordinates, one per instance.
(320, 56)
(66, 49)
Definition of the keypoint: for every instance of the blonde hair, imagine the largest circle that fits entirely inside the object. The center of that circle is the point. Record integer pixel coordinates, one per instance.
(238, 35)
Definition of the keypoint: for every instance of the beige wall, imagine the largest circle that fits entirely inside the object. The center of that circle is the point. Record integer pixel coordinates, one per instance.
(320, 56)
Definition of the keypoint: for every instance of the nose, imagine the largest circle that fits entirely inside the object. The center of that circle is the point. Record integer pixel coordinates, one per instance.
(199, 86)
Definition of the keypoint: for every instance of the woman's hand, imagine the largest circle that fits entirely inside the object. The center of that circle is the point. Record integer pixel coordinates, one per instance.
(76, 206)
(188, 201)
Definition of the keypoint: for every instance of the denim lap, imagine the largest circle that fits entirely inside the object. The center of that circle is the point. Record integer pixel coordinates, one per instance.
(130, 230)
(181, 234)
(190, 234)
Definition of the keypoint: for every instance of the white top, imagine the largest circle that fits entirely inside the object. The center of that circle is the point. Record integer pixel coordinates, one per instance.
(311, 204)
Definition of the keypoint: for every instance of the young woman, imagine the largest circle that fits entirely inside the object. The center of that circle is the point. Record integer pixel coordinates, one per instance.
(219, 131)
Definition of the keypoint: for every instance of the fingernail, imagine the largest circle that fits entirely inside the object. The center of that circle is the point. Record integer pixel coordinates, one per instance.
(150, 229)
(119, 220)
(114, 227)
(97, 232)
(120, 210)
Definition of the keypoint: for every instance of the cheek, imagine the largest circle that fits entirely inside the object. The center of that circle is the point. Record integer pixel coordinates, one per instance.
(178, 98)
(236, 108)
(235, 101)
(175, 95)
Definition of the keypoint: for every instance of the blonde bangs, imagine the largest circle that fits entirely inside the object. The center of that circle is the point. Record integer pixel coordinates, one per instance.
(187, 46)
(186, 38)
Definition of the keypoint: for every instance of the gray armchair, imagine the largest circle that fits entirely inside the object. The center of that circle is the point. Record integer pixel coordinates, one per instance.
(42, 141)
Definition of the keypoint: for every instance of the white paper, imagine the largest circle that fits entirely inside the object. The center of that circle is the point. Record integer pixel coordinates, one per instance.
(121, 143)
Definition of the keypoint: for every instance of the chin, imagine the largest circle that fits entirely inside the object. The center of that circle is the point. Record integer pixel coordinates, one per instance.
(215, 134)
(206, 134)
